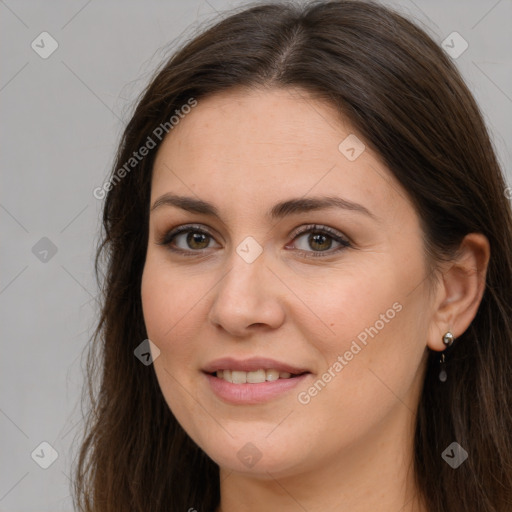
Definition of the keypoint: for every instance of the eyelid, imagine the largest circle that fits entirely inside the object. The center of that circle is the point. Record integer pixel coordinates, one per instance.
(171, 234)
(336, 235)
(320, 227)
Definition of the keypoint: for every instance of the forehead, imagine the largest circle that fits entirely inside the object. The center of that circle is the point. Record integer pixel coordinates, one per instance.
(256, 147)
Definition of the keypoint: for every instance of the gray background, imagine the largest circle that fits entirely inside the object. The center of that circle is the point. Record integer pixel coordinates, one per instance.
(61, 119)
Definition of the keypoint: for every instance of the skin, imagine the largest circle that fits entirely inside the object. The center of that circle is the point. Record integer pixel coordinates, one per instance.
(350, 447)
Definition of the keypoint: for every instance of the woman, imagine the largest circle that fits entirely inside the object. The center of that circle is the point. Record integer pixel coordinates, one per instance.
(308, 221)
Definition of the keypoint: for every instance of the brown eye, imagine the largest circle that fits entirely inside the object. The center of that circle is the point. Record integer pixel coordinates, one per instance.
(196, 240)
(187, 239)
(319, 239)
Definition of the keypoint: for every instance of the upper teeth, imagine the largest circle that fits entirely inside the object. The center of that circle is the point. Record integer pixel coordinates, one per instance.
(239, 377)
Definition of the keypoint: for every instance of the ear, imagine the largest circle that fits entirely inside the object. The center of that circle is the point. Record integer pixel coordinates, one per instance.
(460, 290)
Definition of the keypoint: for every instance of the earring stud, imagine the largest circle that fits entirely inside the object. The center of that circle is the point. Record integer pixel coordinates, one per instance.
(448, 339)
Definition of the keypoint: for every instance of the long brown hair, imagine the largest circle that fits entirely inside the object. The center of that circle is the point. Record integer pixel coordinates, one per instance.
(409, 102)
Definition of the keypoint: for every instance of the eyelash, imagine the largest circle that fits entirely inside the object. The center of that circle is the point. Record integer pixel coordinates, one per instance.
(169, 237)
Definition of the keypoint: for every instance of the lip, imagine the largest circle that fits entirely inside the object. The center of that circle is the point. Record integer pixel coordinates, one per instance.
(252, 393)
(252, 364)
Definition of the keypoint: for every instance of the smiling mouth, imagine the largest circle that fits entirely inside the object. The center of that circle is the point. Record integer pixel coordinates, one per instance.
(253, 377)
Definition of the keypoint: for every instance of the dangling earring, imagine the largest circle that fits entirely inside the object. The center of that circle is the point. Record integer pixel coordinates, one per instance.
(448, 341)
(442, 374)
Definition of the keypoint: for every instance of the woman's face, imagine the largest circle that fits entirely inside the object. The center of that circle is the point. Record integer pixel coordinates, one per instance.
(280, 280)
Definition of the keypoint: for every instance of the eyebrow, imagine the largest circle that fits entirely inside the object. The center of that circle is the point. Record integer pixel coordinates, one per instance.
(278, 211)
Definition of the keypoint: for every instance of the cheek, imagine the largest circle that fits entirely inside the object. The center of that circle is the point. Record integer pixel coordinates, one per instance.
(168, 300)
(352, 307)
(168, 307)
(377, 336)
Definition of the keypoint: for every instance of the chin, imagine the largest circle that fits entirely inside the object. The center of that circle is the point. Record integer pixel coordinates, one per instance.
(255, 452)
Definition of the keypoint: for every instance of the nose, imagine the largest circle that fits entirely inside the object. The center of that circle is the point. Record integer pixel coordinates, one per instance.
(248, 298)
